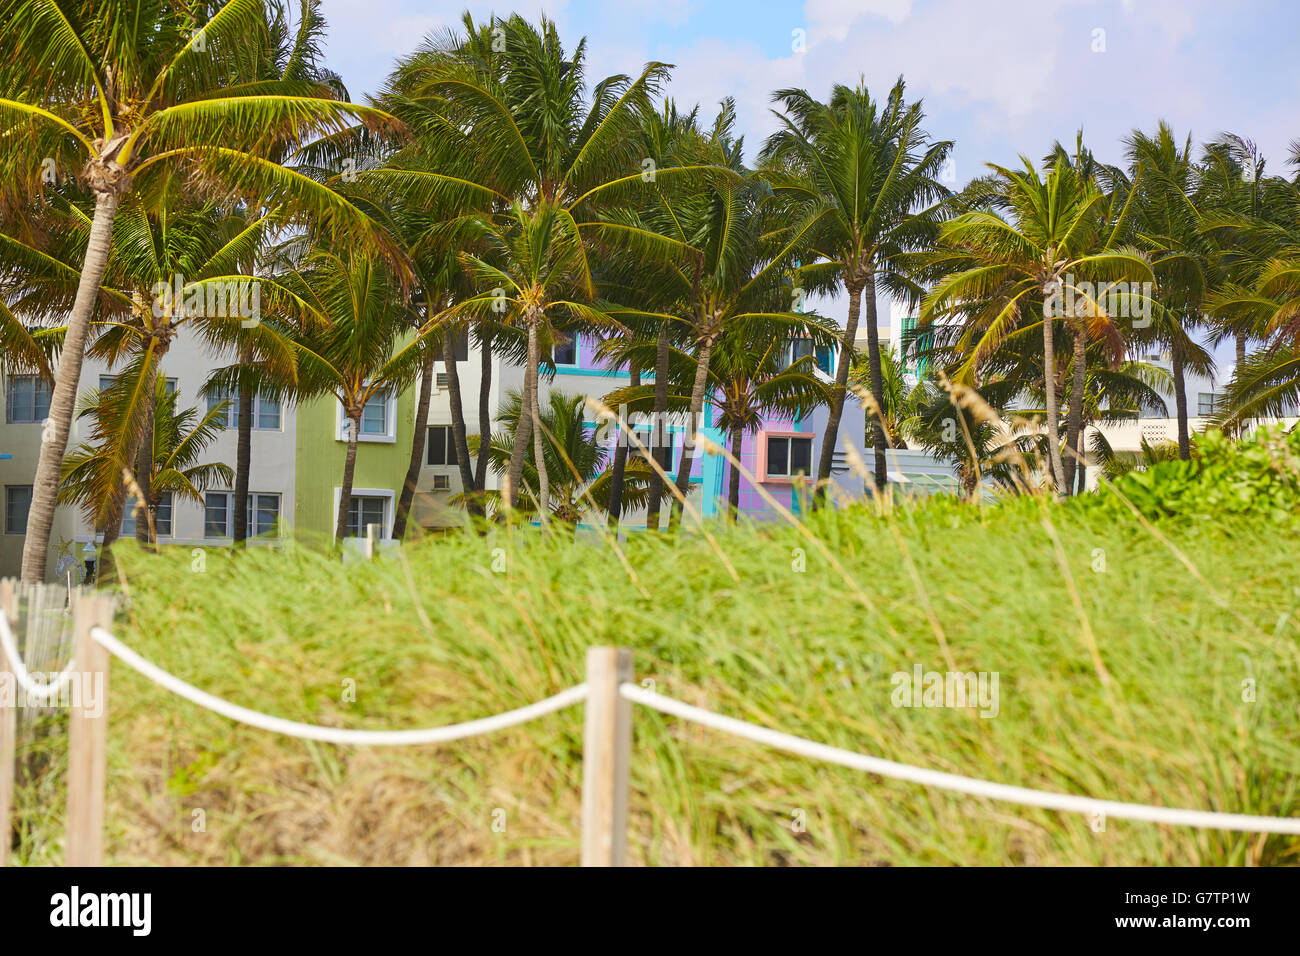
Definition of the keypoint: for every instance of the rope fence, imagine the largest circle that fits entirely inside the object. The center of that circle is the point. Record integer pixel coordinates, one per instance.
(608, 694)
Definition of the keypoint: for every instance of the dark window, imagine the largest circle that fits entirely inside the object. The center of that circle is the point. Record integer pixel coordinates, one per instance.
(787, 457)
(566, 354)
(18, 501)
(441, 446)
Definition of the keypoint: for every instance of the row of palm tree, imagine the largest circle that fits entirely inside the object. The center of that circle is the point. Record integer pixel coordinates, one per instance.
(489, 193)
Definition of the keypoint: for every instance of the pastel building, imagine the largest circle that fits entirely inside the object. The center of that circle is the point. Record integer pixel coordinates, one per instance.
(298, 454)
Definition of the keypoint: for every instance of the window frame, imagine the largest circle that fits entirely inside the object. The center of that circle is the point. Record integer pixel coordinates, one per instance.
(390, 420)
(30, 489)
(231, 420)
(790, 476)
(128, 514)
(389, 498)
(252, 532)
(449, 455)
(37, 385)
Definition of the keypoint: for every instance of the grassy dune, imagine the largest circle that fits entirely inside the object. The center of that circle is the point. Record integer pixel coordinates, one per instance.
(441, 636)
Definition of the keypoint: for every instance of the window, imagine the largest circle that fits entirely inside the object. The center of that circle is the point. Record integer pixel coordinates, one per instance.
(442, 482)
(443, 380)
(646, 437)
(216, 515)
(263, 514)
(823, 355)
(788, 455)
(18, 501)
(162, 518)
(29, 399)
(566, 354)
(1207, 403)
(441, 446)
(365, 511)
(374, 417)
(266, 411)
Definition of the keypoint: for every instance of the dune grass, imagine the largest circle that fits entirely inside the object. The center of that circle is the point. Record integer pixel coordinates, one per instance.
(466, 626)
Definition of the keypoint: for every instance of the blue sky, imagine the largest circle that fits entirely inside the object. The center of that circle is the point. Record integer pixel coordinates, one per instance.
(999, 78)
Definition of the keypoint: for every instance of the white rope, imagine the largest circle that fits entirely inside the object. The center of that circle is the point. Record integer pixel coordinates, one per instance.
(336, 735)
(35, 690)
(951, 781)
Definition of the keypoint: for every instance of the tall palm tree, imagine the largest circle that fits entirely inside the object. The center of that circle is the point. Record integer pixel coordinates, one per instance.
(1037, 240)
(861, 178)
(129, 104)
(536, 160)
(1168, 226)
(364, 347)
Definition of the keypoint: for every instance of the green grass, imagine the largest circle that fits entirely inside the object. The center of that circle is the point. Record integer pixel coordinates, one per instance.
(443, 637)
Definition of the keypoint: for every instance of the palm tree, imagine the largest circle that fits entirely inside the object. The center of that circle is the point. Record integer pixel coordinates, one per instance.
(990, 271)
(173, 465)
(859, 177)
(131, 104)
(576, 457)
(752, 378)
(536, 162)
(363, 348)
(1262, 300)
(1168, 225)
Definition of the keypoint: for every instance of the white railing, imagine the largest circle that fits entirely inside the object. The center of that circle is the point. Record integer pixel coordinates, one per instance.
(608, 694)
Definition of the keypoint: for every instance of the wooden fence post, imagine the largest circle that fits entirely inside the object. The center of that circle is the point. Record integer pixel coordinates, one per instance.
(8, 723)
(88, 734)
(606, 752)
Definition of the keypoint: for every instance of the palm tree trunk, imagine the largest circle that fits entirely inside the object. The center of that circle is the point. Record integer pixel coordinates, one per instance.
(1180, 406)
(620, 459)
(1241, 349)
(1053, 414)
(417, 445)
(1083, 459)
(243, 459)
(733, 480)
(836, 412)
(457, 416)
(484, 410)
(45, 484)
(877, 386)
(144, 459)
(660, 454)
(539, 445)
(702, 359)
(523, 432)
(1074, 418)
(349, 469)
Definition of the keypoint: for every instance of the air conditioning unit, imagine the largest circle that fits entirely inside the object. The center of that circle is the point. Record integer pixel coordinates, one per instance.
(442, 380)
(442, 482)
